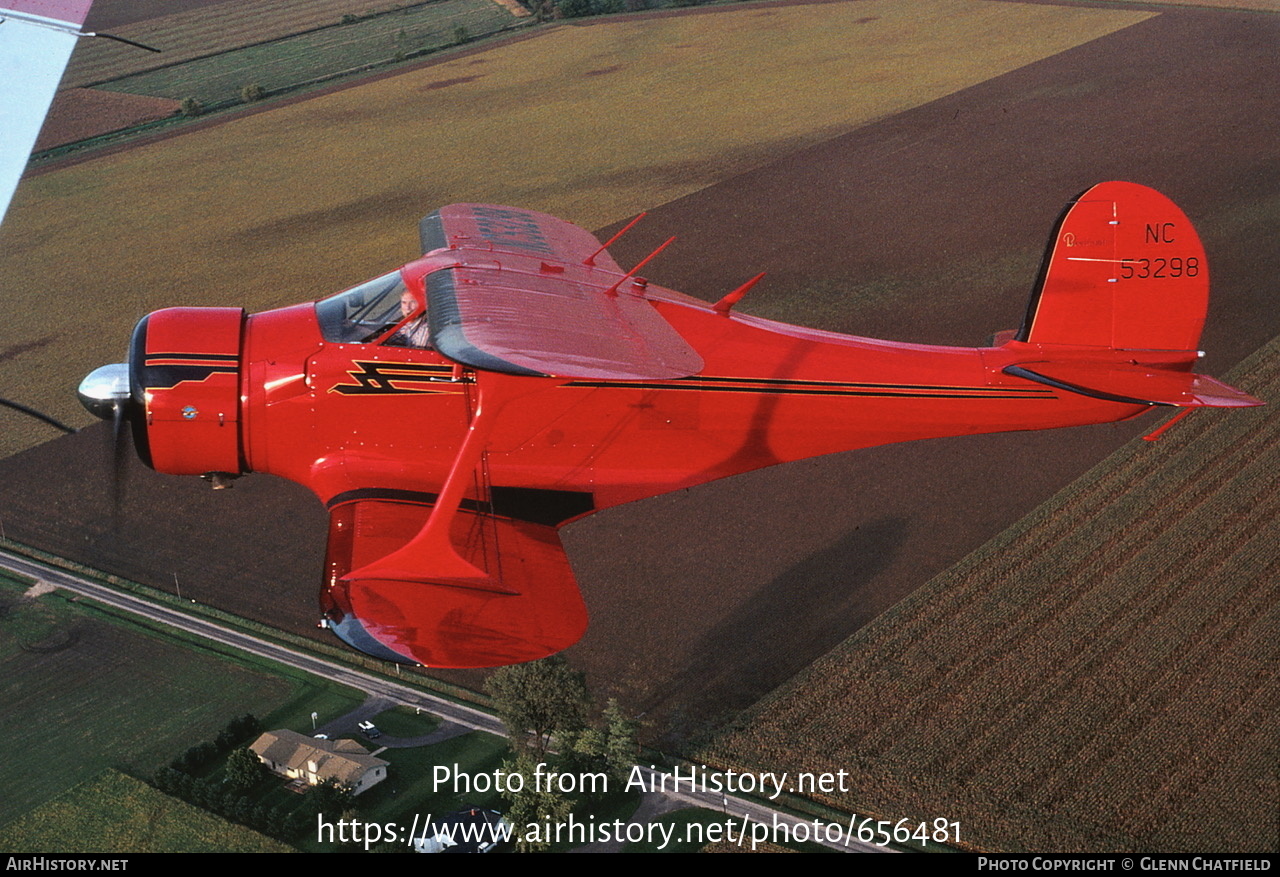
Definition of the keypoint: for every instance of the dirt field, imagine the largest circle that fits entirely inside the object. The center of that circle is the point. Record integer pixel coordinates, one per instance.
(926, 224)
(78, 113)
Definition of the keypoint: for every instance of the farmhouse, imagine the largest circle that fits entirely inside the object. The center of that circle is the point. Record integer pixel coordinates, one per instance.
(298, 756)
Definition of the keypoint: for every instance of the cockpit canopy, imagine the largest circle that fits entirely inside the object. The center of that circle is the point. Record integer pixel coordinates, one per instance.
(364, 313)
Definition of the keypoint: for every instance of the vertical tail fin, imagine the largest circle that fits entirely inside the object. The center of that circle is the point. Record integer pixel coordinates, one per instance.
(1125, 269)
(1121, 300)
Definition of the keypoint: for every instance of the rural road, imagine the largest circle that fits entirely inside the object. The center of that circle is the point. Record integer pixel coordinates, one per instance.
(740, 811)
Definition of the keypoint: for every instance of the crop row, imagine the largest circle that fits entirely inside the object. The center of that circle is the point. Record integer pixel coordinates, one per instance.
(1097, 677)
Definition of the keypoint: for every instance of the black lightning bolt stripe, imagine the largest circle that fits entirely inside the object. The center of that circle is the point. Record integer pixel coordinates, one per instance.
(381, 378)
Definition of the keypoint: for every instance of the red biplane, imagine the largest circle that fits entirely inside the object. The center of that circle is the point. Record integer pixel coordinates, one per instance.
(452, 414)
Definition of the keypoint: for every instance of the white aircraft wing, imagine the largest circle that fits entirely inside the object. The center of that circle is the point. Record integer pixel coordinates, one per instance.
(36, 39)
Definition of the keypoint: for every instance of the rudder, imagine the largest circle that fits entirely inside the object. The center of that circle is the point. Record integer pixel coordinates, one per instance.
(1124, 269)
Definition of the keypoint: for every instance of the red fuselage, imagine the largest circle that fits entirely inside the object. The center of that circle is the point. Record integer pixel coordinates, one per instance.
(344, 417)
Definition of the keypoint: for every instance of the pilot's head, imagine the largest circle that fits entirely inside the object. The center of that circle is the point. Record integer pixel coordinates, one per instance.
(408, 304)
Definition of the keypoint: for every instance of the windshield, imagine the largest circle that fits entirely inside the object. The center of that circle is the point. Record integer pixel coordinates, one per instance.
(362, 313)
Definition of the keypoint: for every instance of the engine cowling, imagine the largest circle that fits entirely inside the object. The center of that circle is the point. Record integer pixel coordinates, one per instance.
(184, 376)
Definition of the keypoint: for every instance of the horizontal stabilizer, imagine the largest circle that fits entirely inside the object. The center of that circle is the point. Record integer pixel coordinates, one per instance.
(1127, 382)
(528, 608)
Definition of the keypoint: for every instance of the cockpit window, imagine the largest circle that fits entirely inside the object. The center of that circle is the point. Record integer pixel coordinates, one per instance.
(362, 314)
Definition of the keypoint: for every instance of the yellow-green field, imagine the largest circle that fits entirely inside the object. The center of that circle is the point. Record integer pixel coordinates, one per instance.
(115, 813)
(1101, 677)
(591, 122)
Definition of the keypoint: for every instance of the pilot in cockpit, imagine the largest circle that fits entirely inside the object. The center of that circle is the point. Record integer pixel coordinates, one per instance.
(416, 332)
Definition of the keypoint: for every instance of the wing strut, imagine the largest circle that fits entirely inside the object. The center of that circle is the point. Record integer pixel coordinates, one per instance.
(430, 556)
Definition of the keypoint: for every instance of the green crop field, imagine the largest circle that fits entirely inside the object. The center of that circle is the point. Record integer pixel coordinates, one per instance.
(297, 59)
(593, 122)
(1099, 677)
(79, 693)
(116, 813)
(196, 29)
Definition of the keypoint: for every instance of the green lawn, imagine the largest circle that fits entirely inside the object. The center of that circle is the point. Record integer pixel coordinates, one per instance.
(403, 721)
(80, 693)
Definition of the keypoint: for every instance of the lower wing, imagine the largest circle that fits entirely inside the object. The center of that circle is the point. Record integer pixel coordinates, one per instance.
(527, 607)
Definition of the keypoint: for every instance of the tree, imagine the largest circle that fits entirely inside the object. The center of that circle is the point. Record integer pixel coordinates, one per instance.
(252, 92)
(277, 821)
(620, 740)
(203, 793)
(575, 8)
(167, 779)
(541, 698)
(243, 727)
(533, 810)
(331, 798)
(191, 107)
(609, 748)
(244, 770)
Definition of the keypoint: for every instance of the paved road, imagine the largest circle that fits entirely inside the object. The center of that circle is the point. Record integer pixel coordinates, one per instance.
(460, 714)
(737, 810)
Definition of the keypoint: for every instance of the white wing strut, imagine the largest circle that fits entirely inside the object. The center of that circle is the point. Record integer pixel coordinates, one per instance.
(36, 39)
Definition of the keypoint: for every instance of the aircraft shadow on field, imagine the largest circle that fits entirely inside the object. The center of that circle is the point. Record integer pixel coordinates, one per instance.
(783, 627)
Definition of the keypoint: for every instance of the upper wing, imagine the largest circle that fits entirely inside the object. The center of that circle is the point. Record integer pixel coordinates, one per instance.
(511, 230)
(535, 295)
(36, 40)
(528, 608)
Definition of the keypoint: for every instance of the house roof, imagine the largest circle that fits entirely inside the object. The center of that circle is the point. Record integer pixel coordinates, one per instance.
(345, 761)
